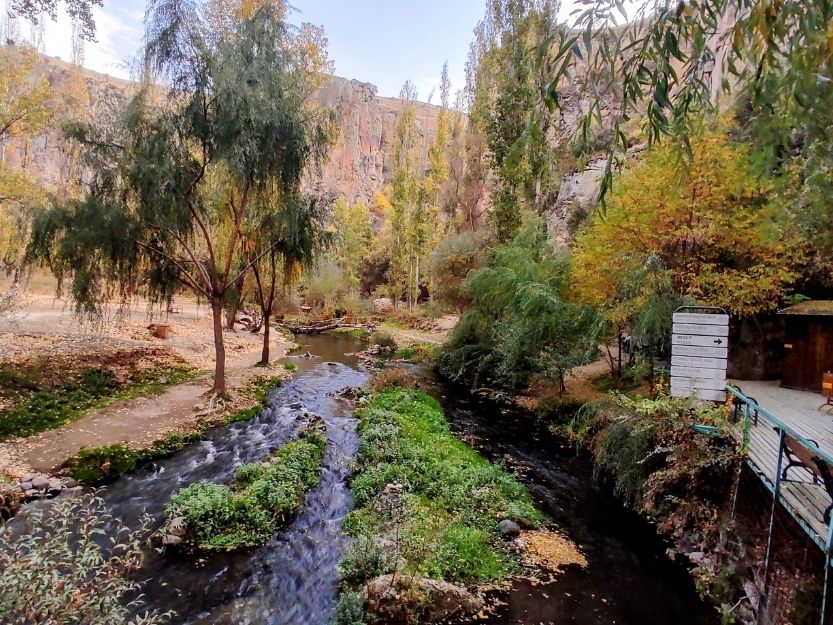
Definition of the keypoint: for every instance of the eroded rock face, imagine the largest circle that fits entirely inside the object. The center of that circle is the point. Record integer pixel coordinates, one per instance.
(576, 197)
(395, 600)
(359, 164)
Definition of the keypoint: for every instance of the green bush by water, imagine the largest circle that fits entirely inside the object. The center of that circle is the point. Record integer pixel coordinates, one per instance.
(99, 465)
(258, 503)
(417, 354)
(452, 501)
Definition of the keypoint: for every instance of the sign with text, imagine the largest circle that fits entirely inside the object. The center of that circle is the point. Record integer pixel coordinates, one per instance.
(699, 354)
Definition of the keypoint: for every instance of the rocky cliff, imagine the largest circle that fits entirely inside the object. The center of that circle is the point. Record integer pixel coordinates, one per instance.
(359, 162)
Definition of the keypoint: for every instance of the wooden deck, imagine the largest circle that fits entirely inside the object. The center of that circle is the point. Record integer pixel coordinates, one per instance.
(803, 498)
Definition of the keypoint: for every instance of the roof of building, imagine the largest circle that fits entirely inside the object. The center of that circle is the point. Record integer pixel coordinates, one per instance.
(811, 308)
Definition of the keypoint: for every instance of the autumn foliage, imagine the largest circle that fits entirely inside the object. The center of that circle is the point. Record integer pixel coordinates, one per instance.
(707, 223)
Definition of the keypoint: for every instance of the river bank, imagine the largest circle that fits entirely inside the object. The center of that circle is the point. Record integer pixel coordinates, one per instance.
(293, 579)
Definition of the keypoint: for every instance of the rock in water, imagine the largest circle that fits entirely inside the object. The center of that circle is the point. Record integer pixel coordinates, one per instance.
(430, 599)
(40, 482)
(509, 529)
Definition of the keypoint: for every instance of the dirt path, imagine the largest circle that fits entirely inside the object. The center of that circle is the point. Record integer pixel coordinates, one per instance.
(136, 422)
(48, 328)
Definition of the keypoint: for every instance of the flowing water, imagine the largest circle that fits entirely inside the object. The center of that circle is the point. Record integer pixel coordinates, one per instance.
(293, 579)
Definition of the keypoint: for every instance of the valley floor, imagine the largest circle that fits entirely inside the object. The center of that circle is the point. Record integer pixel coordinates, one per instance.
(45, 329)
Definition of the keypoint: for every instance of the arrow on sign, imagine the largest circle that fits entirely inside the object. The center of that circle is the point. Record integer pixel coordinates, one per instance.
(718, 342)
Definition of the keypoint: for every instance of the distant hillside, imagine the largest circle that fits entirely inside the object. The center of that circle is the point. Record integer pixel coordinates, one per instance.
(359, 163)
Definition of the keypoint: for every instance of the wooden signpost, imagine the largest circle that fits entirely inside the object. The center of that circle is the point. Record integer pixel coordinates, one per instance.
(699, 353)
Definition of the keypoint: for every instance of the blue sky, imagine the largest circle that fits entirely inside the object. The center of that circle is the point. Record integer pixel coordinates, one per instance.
(377, 41)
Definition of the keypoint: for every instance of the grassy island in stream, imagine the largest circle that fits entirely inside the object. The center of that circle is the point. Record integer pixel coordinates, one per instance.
(262, 498)
(425, 504)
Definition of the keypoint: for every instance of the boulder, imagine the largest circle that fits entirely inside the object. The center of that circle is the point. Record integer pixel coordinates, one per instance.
(177, 527)
(170, 540)
(398, 600)
(24, 486)
(40, 482)
(69, 482)
(390, 500)
(509, 529)
(382, 305)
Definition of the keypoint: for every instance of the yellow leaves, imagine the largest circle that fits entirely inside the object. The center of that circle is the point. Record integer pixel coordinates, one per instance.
(25, 94)
(708, 224)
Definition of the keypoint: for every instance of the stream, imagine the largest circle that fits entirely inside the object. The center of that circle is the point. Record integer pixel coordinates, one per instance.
(293, 579)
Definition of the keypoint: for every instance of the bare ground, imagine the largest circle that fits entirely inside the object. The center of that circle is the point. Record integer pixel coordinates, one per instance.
(46, 327)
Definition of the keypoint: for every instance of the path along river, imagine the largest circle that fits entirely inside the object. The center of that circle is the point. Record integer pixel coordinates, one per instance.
(293, 579)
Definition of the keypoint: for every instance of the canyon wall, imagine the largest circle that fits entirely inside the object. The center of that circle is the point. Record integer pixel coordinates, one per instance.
(359, 162)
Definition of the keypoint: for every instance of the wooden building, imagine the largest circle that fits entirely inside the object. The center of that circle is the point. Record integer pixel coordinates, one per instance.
(808, 344)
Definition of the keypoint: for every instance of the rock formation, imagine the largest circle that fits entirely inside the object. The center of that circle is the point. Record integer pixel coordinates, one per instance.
(359, 163)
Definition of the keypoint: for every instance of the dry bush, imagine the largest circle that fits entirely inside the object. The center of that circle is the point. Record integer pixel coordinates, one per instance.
(388, 378)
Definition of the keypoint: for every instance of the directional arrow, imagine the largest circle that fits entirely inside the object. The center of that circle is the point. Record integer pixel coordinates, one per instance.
(718, 341)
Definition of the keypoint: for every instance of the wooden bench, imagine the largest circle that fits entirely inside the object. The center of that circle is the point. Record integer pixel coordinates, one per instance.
(797, 455)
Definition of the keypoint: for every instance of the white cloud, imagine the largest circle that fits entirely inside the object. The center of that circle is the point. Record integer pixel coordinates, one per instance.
(119, 29)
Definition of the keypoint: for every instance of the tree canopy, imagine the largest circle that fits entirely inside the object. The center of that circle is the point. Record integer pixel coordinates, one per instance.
(709, 225)
(176, 182)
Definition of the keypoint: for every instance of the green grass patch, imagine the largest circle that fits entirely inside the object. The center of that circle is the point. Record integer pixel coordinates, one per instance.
(290, 366)
(257, 388)
(259, 501)
(444, 525)
(353, 333)
(421, 353)
(99, 465)
(36, 408)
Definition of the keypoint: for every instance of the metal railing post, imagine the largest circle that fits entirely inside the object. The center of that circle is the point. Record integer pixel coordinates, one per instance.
(775, 495)
(826, 571)
(746, 426)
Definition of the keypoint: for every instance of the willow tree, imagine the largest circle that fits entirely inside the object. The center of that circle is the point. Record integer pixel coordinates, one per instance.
(175, 181)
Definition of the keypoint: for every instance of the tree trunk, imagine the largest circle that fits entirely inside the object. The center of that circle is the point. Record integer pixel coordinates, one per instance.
(264, 357)
(219, 346)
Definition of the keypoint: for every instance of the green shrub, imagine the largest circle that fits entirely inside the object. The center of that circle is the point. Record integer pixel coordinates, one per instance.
(349, 609)
(290, 366)
(248, 474)
(100, 464)
(257, 503)
(383, 339)
(363, 560)
(557, 411)
(57, 572)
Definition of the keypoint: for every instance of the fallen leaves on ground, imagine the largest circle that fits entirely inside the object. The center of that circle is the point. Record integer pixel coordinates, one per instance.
(550, 550)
